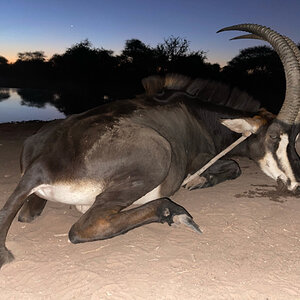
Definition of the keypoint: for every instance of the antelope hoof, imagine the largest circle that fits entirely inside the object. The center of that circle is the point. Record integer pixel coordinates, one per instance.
(173, 213)
(187, 221)
(26, 219)
(5, 256)
(196, 183)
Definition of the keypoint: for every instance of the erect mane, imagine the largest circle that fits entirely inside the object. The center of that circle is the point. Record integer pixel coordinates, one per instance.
(205, 90)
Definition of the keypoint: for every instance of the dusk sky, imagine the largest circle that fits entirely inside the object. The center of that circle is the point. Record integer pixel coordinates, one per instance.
(52, 26)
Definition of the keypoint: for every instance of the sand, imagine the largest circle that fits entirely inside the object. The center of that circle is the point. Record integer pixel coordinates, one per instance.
(249, 249)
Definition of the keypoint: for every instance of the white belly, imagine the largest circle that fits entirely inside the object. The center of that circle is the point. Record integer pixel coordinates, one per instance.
(82, 195)
(75, 194)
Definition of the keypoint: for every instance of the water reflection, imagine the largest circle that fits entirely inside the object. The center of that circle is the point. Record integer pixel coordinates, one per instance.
(71, 102)
(35, 98)
(33, 104)
(16, 105)
(4, 94)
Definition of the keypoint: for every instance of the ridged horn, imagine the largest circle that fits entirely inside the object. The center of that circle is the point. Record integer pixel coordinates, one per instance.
(296, 51)
(291, 105)
(247, 36)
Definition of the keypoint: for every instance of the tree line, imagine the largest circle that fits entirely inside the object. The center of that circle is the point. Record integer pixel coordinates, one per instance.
(257, 70)
(86, 65)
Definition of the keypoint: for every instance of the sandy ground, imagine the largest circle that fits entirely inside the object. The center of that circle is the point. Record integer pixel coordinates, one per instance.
(249, 248)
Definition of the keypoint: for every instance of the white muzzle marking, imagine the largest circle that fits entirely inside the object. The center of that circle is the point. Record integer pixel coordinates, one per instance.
(283, 170)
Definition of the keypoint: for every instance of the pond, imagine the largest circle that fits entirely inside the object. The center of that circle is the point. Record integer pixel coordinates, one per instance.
(23, 104)
(13, 108)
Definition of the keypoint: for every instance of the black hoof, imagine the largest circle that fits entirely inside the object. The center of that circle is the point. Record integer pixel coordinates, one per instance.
(5, 256)
(171, 213)
(187, 221)
(25, 219)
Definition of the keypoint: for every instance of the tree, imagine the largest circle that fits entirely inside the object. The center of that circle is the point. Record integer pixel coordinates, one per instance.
(82, 62)
(259, 71)
(175, 55)
(136, 50)
(138, 60)
(32, 56)
(177, 47)
(3, 60)
(4, 71)
(31, 66)
(4, 94)
(173, 47)
(260, 59)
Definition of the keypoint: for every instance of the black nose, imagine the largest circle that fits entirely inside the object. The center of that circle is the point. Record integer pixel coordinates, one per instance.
(297, 190)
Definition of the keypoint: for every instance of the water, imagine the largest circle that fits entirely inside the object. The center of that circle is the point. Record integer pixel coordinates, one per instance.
(28, 104)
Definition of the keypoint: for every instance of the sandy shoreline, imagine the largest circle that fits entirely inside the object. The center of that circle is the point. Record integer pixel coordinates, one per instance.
(249, 249)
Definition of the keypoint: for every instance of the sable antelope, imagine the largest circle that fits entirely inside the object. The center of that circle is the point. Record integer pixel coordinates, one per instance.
(139, 151)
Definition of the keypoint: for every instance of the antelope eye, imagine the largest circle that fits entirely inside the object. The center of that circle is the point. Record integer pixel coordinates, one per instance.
(274, 136)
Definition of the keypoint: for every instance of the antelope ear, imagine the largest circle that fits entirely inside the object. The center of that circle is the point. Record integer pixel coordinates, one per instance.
(244, 125)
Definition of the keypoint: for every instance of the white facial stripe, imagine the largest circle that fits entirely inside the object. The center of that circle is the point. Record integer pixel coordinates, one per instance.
(271, 168)
(283, 158)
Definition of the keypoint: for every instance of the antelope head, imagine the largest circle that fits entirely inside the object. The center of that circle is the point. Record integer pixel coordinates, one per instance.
(273, 145)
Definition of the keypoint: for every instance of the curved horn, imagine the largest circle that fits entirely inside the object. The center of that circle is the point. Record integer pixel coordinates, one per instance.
(291, 105)
(247, 36)
(297, 55)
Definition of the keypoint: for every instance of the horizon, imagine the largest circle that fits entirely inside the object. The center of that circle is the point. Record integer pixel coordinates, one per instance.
(54, 26)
